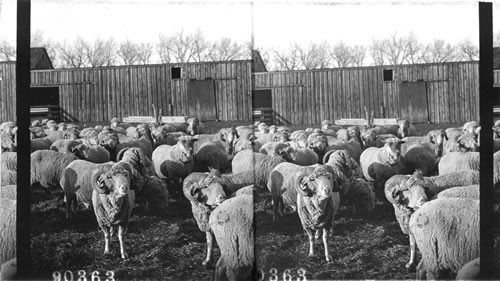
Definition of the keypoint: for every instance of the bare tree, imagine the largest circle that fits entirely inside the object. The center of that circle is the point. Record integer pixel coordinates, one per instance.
(199, 46)
(342, 55)
(145, 51)
(128, 51)
(226, 49)
(314, 56)
(175, 48)
(394, 49)
(358, 55)
(467, 50)
(376, 52)
(101, 53)
(439, 51)
(72, 55)
(7, 51)
(414, 49)
(286, 60)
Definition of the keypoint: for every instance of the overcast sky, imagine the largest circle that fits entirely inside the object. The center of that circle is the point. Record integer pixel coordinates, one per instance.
(277, 24)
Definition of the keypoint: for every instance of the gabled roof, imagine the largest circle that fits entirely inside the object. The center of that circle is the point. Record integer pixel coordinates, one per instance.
(39, 59)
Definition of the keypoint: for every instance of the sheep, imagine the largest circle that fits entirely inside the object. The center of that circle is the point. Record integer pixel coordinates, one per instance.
(435, 137)
(272, 148)
(154, 193)
(408, 193)
(406, 129)
(282, 180)
(8, 270)
(317, 203)
(112, 200)
(446, 232)
(261, 165)
(210, 156)
(225, 137)
(379, 164)
(318, 143)
(94, 154)
(7, 229)
(359, 196)
(421, 157)
(41, 144)
(76, 183)
(470, 270)
(193, 126)
(143, 142)
(300, 156)
(353, 146)
(458, 161)
(9, 161)
(47, 167)
(8, 143)
(232, 225)
(204, 195)
(8, 177)
(8, 191)
(64, 146)
(115, 122)
(466, 191)
(174, 161)
(471, 127)
(7, 127)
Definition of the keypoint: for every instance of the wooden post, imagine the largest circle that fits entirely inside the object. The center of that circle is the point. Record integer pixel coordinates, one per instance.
(486, 101)
(23, 241)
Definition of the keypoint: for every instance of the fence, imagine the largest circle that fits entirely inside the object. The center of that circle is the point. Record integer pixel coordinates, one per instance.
(310, 96)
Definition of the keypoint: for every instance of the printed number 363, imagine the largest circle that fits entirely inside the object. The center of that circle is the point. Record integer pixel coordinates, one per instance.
(287, 276)
(82, 276)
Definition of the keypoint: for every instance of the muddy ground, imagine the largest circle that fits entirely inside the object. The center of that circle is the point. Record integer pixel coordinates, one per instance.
(169, 246)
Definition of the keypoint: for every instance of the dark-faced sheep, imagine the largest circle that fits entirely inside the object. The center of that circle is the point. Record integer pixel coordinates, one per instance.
(317, 202)
(113, 200)
(232, 225)
(446, 231)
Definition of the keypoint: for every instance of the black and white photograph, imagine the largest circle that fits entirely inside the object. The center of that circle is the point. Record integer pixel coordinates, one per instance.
(249, 140)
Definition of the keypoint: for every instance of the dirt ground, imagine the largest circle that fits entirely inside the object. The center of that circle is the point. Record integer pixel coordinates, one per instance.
(169, 246)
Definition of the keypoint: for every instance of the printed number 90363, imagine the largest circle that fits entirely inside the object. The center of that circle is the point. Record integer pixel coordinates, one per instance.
(82, 276)
(286, 276)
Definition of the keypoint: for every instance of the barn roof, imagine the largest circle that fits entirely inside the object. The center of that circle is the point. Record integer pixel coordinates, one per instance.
(39, 59)
(496, 58)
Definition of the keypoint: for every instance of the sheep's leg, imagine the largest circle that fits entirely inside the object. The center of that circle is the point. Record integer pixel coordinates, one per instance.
(421, 271)
(317, 235)
(325, 243)
(121, 232)
(311, 243)
(107, 237)
(410, 264)
(220, 270)
(210, 247)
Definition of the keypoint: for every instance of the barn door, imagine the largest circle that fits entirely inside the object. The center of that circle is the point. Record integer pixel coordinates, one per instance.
(413, 102)
(201, 99)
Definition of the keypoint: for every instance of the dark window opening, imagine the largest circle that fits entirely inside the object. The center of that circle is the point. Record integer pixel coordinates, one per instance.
(176, 72)
(388, 74)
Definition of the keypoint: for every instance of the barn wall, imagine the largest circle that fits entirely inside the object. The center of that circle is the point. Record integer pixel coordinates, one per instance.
(7, 91)
(98, 94)
(310, 96)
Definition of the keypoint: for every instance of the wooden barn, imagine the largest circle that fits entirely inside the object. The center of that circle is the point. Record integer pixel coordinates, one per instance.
(209, 90)
(437, 93)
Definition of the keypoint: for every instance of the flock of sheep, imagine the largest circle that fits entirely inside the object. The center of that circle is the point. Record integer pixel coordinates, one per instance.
(432, 181)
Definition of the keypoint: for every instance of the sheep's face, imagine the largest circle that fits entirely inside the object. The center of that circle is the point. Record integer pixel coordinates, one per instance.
(185, 144)
(38, 132)
(412, 197)
(116, 183)
(228, 135)
(61, 127)
(36, 123)
(273, 129)
(393, 149)
(470, 127)
(193, 125)
(159, 136)
(263, 128)
(107, 140)
(325, 127)
(318, 144)
(92, 137)
(369, 138)
(208, 193)
(301, 140)
(342, 135)
(287, 153)
(8, 143)
(71, 134)
(81, 151)
(467, 142)
(280, 137)
(403, 128)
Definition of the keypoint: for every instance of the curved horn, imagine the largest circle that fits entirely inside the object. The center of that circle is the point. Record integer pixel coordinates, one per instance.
(98, 180)
(119, 155)
(191, 189)
(302, 183)
(327, 156)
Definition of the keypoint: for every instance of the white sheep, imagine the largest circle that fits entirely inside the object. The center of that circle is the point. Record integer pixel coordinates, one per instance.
(466, 191)
(47, 167)
(458, 161)
(7, 229)
(174, 161)
(260, 164)
(64, 145)
(446, 231)
(470, 270)
(300, 156)
(113, 200)
(318, 201)
(8, 177)
(232, 225)
(94, 153)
